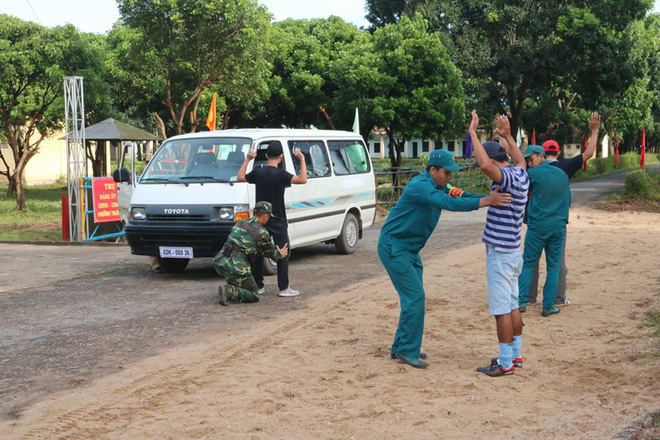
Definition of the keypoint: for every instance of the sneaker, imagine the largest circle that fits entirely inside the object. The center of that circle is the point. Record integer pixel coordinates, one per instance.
(522, 307)
(531, 302)
(550, 311)
(496, 370)
(563, 303)
(517, 362)
(222, 291)
(261, 291)
(289, 292)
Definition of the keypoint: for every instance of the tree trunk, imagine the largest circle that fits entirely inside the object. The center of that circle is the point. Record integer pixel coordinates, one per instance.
(161, 125)
(20, 191)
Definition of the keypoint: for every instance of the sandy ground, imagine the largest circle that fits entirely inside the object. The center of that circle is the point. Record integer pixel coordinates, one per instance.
(325, 372)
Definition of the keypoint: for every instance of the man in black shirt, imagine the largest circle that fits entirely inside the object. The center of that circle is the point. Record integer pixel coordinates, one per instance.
(570, 166)
(270, 183)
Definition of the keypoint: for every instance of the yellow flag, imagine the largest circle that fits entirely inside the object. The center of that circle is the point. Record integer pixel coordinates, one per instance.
(210, 120)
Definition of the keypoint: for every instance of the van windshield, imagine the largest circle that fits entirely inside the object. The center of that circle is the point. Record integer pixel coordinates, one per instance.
(198, 159)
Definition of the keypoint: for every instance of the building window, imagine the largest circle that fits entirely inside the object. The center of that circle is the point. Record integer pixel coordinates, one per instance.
(450, 146)
(376, 147)
(425, 146)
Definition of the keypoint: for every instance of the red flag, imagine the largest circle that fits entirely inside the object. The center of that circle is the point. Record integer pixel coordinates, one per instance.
(584, 162)
(641, 160)
(210, 120)
(533, 136)
(616, 153)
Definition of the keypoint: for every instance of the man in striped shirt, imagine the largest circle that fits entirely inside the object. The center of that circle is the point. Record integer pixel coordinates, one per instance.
(502, 238)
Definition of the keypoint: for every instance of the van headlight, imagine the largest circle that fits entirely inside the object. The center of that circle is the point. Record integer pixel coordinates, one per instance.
(138, 213)
(226, 213)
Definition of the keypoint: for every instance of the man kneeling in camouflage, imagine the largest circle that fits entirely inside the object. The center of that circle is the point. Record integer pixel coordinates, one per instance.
(247, 239)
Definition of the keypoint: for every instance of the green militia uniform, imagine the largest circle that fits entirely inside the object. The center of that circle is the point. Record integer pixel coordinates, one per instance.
(246, 240)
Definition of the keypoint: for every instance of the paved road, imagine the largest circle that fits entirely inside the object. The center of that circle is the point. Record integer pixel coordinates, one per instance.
(69, 314)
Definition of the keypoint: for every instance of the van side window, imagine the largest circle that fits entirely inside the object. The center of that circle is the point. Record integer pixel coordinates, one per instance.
(348, 157)
(316, 158)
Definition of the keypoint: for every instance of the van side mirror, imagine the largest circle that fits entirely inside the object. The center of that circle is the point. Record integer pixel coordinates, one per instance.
(121, 175)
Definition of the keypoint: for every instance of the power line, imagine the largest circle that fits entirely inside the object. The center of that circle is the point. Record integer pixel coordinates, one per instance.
(33, 11)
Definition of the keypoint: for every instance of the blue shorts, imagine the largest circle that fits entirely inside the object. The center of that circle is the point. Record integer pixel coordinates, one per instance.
(502, 271)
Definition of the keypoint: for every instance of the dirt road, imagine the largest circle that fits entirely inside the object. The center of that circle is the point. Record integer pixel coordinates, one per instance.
(73, 332)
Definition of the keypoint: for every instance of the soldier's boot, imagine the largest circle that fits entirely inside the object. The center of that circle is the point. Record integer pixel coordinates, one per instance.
(222, 291)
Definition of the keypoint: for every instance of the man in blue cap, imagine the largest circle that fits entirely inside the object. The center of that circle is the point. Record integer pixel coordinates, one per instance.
(547, 216)
(408, 226)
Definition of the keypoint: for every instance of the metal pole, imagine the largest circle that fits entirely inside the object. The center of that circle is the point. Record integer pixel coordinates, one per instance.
(74, 109)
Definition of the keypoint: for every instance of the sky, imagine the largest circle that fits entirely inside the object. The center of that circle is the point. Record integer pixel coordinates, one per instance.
(97, 16)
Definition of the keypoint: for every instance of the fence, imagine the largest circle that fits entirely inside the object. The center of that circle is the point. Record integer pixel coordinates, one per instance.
(390, 182)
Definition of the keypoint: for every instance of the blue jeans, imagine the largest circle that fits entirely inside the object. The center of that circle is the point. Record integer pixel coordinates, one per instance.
(502, 271)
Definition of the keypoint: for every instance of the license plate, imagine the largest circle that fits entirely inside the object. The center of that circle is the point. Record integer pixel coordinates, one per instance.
(176, 252)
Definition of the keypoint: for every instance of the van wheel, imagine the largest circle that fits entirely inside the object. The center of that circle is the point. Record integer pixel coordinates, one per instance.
(173, 264)
(347, 241)
(270, 266)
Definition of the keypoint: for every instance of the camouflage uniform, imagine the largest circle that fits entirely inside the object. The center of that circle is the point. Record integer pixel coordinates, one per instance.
(246, 240)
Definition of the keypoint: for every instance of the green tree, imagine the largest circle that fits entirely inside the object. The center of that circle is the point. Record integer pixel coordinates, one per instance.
(523, 47)
(405, 83)
(33, 62)
(168, 52)
(301, 86)
(639, 105)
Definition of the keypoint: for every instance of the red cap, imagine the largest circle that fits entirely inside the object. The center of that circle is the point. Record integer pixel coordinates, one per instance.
(551, 146)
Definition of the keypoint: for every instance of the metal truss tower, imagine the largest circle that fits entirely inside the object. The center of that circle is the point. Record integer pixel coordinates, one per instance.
(74, 108)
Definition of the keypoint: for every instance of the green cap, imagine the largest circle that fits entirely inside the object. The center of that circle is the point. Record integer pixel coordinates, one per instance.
(263, 208)
(531, 149)
(444, 159)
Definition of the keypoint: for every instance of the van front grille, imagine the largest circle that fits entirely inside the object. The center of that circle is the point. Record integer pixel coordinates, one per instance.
(177, 218)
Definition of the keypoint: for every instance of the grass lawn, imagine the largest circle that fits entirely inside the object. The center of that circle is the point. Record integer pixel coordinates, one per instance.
(43, 219)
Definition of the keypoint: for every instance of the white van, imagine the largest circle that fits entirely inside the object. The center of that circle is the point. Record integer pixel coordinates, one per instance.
(187, 200)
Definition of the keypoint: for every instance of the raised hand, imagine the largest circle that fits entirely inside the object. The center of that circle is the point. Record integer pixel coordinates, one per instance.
(298, 154)
(503, 126)
(594, 121)
(474, 124)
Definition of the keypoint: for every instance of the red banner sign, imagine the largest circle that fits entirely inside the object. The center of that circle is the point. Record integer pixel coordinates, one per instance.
(106, 206)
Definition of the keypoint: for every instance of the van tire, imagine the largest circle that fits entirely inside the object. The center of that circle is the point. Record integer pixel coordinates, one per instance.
(347, 241)
(270, 266)
(173, 264)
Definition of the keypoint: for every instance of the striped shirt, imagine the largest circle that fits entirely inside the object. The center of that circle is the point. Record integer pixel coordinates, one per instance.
(503, 222)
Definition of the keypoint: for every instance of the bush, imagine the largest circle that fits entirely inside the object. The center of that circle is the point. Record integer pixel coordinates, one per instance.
(629, 160)
(600, 164)
(640, 183)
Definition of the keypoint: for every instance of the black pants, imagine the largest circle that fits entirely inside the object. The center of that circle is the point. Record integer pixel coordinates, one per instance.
(279, 231)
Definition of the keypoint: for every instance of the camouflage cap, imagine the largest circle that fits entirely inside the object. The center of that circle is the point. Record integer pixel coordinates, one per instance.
(263, 208)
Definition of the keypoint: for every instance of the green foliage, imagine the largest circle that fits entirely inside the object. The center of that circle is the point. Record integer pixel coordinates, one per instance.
(405, 81)
(169, 52)
(301, 82)
(515, 54)
(642, 183)
(33, 61)
(600, 164)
